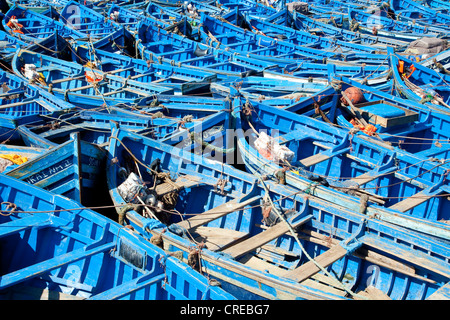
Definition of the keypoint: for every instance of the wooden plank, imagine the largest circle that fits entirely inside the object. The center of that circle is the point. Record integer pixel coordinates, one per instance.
(373, 293)
(414, 257)
(320, 157)
(217, 238)
(308, 269)
(366, 254)
(262, 238)
(411, 202)
(323, 284)
(443, 293)
(217, 212)
(314, 159)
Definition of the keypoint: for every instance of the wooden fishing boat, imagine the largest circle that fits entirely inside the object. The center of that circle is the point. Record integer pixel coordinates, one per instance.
(303, 38)
(419, 83)
(39, 6)
(223, 34)
(120, 41)
(181, 80)
(414, 10)
(86, 21)
(166, 14)
(9, 44)
(21, 103)
(198, 124)
(439, 6)
(92, 127)
(169, 48)
(82, 254)
(404, 124)
(303, 22)
(376, 22)
(81, 85)
(28, 25)
(70, 169)
(355, 171)
(261, 88)
(259, 238)
(161, 16)
(162, 121)
(54, 45)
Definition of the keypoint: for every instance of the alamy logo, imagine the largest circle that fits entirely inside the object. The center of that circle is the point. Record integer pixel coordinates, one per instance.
(73, 19)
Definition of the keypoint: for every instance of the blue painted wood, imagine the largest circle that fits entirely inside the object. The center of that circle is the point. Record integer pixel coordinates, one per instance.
(330, 176)
(70, 169)
(414, 10)
(305, 23)
(343, 226)
(181, 80)
(86, 21)
(403, 123)
(420, 84)
(36, 25)
(23, 103)
(387, 27)
(59, 250)
(69, 82)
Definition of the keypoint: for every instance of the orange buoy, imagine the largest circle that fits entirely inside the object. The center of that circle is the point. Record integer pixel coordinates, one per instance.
(354, 94)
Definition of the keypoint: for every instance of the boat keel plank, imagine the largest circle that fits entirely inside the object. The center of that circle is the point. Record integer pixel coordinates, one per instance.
(262, 238)
(308, 269)
(217, 212)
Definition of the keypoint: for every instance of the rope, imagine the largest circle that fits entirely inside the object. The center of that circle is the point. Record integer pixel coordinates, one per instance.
(293, 233)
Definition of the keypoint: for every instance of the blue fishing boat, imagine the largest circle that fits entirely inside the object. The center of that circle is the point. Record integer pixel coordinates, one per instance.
(92, 127)
(166, 14)
(22, 103)
(412, 10)
(128, 18)
(377, 23)
(303, 38)
(120, 41)
(404, 124)
(54, 45)
(346, 169)
(39, 6)
(225, 35)
(269, 90)
(75, 253)
(86, 21)
(246, 229)
(419, 83)
(155, 44)
(164, 119)
(28, 25)
(439, 6)
(181, 80)
(80, 85)
(9, 44)
(70, 169)
(305, 23)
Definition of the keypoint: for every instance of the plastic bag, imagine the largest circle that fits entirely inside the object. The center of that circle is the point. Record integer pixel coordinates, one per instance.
(271, 149)
(132, 188)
